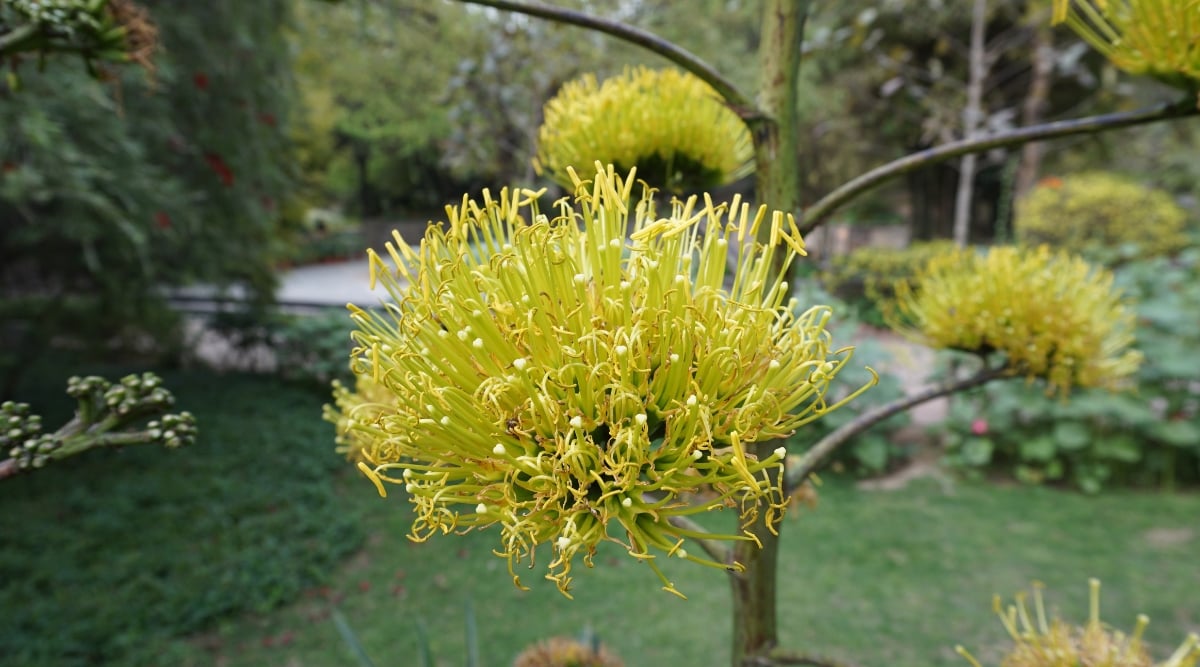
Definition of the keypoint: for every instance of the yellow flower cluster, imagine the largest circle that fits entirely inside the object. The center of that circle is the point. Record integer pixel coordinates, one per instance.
(1052, 315)
(1102, 216)
(670, 125)
(1038, 642)
(577, 379)
(1145, 37)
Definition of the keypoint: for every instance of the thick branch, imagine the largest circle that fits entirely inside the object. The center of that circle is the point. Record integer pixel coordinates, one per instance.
(739, 101)
(797, 473)
(820, 211)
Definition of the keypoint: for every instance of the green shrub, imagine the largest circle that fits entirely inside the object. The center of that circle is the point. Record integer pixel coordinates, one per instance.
(314, 349)
(865, 277)
(111, 552)
(875, 451)
(1102, 216)
(1150, 436)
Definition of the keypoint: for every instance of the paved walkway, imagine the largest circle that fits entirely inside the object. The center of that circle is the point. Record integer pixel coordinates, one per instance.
(330, 284)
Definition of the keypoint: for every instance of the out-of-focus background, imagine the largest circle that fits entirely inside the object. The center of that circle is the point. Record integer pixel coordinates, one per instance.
(207, 217)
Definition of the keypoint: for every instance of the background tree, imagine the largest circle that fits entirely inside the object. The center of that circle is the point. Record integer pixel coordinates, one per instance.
(111, 190)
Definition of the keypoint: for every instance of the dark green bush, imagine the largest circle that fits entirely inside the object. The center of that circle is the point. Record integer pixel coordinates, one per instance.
(1147, 436)
(114, 549)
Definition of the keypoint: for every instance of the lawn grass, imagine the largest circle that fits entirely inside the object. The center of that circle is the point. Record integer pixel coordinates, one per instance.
(104, 554)
(895, 578)
(110, 558)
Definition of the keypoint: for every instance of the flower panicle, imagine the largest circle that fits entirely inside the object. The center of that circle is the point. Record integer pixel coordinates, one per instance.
(586, 377)
(1052, 315)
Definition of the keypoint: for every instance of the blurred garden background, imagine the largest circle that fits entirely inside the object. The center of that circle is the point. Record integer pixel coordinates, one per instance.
(203, 213)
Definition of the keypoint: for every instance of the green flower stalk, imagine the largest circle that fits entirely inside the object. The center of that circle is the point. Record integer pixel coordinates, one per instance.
(670, 125)
(1144, 37)
(1038, 642)
(1052, 315)
(580, 378)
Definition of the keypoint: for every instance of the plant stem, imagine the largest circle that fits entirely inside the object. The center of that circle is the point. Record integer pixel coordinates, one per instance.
(797, 473)
(734, 97)
(755, 618)
(775, 131)
(820, 211)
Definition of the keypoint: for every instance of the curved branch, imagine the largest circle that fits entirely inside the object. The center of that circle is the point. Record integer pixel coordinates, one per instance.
(820, 211)
(715, 550)
(734, 97)
(813, 457)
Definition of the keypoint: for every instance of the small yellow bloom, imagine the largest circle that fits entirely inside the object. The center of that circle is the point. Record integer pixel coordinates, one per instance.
(1150, 37)
(625, 364)
(1052, 315)
(670, 125)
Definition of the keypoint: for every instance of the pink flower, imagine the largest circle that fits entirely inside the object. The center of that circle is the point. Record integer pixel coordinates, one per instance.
(979, 427)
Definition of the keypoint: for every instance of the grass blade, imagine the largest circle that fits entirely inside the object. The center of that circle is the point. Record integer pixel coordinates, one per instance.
(351, 639)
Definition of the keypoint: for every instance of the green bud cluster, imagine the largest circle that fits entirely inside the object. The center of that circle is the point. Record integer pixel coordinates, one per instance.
(133, 395)
(22, 438)
(173, 430)
(71, 18)
(105, 416)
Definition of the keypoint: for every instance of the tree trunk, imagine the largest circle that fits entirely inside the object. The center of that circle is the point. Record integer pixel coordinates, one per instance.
(972, 118)
(777, 162)
(755, 624)
(1034, 108)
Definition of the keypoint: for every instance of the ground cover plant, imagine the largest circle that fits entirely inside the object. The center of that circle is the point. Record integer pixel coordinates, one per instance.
(116, 549)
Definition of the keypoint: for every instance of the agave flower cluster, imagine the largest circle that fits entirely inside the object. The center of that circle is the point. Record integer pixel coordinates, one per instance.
(1150, 37)
(673, 127)
(1052, 315)
(1038, 642)
(579, 378)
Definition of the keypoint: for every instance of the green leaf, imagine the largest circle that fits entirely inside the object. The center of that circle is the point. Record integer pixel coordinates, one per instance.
(1039, 448)
(977, 451)
(1119, 447)
(1180, 433)
(872, 453)
(1071, 435)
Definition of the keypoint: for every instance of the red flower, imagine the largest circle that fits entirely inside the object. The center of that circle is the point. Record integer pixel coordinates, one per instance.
(222, 170)
(979, 427)
(268, 119)
(8, 167)
(1052, 182)
(200, 80)
(162, 220)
